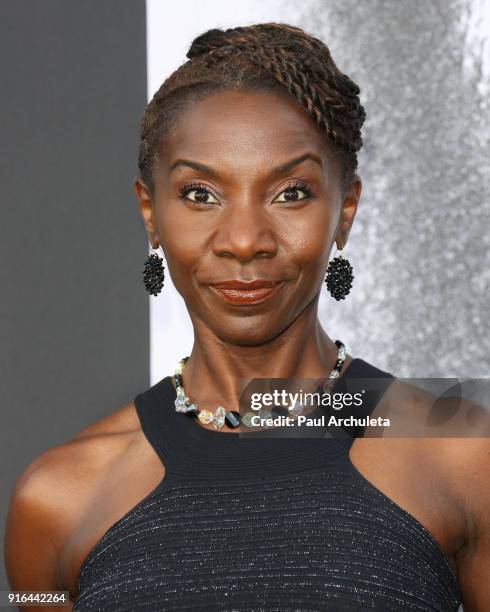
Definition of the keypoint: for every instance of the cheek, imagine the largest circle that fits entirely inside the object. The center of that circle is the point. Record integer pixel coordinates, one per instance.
(183, 242)
(307, 235)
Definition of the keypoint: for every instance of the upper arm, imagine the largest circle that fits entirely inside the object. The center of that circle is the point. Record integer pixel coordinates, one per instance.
(32, 541)
(49, 497)
(473, 457)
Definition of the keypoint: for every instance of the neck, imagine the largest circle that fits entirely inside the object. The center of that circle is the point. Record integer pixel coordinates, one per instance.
(213, 371)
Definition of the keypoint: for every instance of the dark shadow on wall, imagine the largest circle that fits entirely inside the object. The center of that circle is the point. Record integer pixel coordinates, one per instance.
(74, 341)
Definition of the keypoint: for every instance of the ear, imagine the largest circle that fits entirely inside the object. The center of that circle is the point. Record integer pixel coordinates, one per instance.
(349, 208)
(145, 201)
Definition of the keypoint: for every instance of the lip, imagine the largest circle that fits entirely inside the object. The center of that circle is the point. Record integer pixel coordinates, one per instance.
(246, 292)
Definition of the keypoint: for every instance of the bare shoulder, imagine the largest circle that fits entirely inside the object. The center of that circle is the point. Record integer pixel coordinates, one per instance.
(50, 495)
(465, 465)
(411, 459)
(455, 432)
(122, 420)
(452, 433)
(449, 437)
(66, 463)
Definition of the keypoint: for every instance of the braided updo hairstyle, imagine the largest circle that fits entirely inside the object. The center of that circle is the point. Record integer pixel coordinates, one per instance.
(269, 56)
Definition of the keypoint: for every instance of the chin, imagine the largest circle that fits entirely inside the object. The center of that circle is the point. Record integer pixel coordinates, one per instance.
(247, 332)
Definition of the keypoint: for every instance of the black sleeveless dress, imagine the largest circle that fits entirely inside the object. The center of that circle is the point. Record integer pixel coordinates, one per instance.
(247, 523)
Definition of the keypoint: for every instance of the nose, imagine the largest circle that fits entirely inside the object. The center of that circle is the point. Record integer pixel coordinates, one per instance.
(245, 231)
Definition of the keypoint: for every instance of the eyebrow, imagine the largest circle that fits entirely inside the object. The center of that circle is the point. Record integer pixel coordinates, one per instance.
(275, 171)
(296, 161)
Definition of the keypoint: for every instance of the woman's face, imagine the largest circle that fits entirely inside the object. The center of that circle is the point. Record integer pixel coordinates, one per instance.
(246, 188)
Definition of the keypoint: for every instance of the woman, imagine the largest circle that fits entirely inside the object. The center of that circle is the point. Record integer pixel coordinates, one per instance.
(247, 179)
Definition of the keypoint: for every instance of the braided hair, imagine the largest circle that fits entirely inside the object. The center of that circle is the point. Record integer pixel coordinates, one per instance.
(269, 56)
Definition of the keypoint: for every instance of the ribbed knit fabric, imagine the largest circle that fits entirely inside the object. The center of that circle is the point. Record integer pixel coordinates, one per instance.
(261, 523)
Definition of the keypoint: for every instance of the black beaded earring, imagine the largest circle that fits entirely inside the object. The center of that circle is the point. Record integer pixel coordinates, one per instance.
(339, 277)
(153, 274)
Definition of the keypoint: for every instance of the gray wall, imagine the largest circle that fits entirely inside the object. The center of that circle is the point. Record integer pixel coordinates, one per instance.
(74, 340)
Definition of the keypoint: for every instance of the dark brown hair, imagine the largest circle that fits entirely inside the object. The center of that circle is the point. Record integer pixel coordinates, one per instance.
(269, 56)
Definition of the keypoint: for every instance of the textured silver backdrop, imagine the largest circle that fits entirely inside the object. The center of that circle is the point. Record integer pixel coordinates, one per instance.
(420, 242)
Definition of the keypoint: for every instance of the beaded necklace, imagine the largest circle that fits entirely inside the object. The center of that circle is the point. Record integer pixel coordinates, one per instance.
(232, 418)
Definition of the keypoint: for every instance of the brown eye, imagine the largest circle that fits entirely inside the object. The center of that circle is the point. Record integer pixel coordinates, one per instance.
(198, 194)
(293, 193)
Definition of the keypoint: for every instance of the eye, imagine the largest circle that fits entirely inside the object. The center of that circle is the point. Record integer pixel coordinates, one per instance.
(198, 193)
(293, 192)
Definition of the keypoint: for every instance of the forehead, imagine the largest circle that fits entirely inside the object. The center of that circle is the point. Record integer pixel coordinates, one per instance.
(236, 127)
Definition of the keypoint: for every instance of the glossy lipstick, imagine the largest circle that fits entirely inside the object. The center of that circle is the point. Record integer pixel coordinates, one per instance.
(246, 292)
